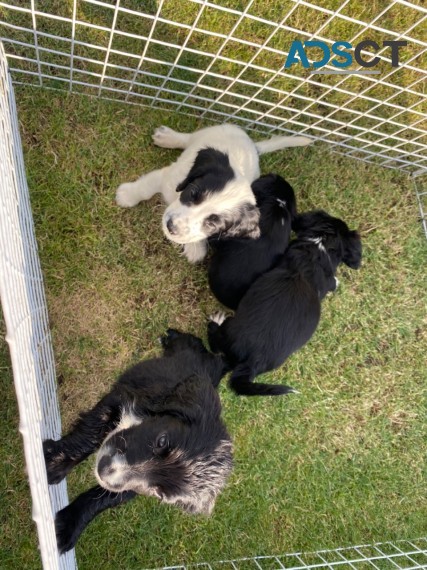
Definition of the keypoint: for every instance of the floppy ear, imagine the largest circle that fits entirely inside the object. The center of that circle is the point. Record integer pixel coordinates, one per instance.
(191, 177)
(314, 221)
(352, 250)
(302, 222)
(211, 165)
(191, 400)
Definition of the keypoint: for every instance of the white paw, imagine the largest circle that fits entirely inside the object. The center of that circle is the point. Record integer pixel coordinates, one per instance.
(218, 317)
(126, 197)
(302, 141)
(336, 283)
(195, 252)
(164, 136)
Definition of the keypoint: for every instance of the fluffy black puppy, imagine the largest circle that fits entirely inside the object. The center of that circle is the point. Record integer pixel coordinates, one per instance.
(236, 263)
(281, 310)
(158, 433)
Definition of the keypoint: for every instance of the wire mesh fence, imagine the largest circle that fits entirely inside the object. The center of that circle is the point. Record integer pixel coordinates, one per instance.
(224, 61)
(28, 334)
(403, 555)
(220, 62)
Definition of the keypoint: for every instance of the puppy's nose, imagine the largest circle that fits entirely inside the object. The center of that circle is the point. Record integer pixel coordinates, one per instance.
(104, 466)
(172, 229)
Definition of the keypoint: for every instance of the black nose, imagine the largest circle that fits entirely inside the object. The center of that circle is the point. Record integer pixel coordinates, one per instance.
(171, 227)
(104, 465)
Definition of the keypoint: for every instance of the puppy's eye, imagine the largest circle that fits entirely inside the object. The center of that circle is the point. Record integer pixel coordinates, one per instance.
(162, 442)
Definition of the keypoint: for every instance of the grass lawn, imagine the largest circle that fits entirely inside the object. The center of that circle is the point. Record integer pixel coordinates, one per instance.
(340, 463)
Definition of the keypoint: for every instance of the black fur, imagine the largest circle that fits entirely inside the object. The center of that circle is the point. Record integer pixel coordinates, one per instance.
(236, 263)
(281, 310)
(177, 434)
(210, 173)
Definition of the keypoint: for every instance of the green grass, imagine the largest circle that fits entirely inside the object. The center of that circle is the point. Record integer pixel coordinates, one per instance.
(338, 464)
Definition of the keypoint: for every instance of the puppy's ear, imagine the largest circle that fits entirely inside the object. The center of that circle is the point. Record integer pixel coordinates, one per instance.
(212, 166)
(302, 222)
(192, 401)
(186, 182)
(352, 250)
(310, 222)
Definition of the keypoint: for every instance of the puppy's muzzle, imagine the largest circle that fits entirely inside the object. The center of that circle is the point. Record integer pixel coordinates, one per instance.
(171, 227)
(105, 466)
(177, 229)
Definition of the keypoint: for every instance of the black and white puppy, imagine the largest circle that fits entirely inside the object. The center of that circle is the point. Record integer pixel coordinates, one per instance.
(208, 189)
(281, 310)
(158, 433)
(236, 263)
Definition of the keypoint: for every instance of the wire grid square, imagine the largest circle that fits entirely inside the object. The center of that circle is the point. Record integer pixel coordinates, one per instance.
(225, 62)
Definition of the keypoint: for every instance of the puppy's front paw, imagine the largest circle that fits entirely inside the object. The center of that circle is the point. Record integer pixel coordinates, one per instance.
(164, 137)
(57, 465)
(67, 529)
(126, 197)
(218, 317)
(195, 252)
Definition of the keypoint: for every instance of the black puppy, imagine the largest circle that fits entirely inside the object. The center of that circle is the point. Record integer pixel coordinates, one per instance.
(158, 433)
(237, 262)
(281, 310)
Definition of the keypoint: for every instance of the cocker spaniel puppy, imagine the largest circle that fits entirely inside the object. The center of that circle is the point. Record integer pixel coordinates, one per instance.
(236, 263)
(208, 189)
(281, 310)
(158, 433)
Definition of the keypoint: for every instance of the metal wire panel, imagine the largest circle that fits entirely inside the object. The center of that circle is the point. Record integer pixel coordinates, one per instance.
(24, 308)
(420, 183)
(222, 62)
(400, 555)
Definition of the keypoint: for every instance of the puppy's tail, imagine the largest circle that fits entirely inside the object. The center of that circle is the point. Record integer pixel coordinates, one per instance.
(241, 382)
(279, 142)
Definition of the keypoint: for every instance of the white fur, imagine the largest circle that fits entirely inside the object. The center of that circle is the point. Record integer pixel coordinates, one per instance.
(196, 251)
(318, 242)
(218, 317)
(242, 153)
(189, 219)
(279, 142)
(127, 420)
(119, 464)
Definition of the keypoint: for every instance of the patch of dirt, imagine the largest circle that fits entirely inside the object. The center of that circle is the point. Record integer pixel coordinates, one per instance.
(94, 336)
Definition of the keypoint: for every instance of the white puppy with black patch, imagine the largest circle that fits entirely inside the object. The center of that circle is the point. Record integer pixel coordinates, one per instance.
(208, 189)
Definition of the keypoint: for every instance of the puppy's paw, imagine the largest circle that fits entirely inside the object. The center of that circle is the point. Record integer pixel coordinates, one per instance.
(57, 464)
(164, 137)
(67, 529)
(302, 141)
(195, 252)
(126, 196)
(218, 317)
